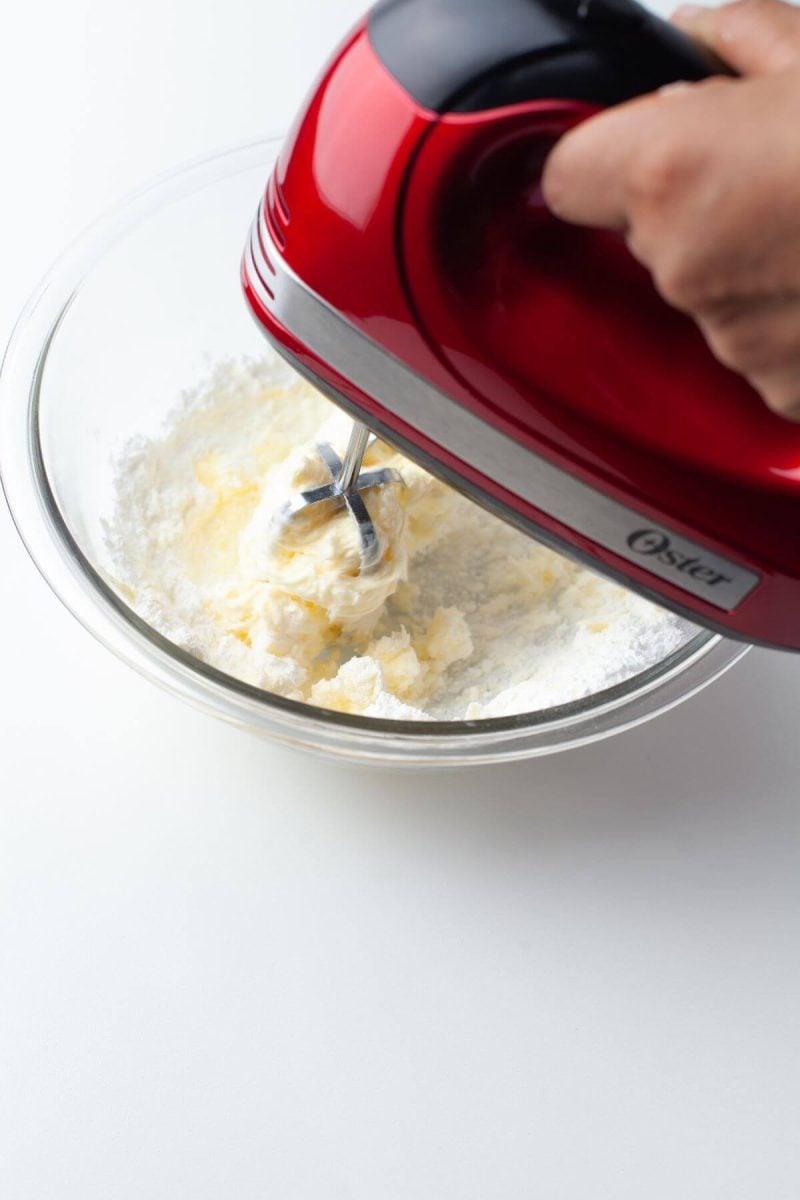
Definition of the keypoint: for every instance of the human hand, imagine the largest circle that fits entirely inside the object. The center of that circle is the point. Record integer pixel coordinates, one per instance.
(704, 181)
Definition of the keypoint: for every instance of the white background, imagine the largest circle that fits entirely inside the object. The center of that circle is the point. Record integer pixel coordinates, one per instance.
(229, 972)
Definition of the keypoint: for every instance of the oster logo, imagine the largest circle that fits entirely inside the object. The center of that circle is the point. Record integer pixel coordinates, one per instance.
(654, 543)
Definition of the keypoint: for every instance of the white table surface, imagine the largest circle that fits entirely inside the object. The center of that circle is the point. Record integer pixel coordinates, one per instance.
(230, 972)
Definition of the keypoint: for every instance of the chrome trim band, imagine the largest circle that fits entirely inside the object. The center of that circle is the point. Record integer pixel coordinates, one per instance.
(653, 547)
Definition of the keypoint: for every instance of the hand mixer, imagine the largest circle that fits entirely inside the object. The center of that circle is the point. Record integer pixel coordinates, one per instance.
(404, 261)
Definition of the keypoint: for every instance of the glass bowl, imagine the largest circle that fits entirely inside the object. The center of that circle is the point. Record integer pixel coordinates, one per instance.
(136, 311)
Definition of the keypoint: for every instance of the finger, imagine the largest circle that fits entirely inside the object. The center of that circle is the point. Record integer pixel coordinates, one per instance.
(780, 391)
(755, 336)
(595, 171)
(585, 174)
(755, 37)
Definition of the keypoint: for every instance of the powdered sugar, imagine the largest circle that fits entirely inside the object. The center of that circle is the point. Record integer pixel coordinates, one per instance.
(480, 621)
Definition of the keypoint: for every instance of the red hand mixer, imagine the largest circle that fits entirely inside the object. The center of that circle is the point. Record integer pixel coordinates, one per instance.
(404, 261)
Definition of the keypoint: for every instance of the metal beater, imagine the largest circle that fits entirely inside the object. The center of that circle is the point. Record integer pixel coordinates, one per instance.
(348, 482)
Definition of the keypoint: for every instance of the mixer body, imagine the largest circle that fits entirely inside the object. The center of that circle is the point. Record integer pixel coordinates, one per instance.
(403, 259)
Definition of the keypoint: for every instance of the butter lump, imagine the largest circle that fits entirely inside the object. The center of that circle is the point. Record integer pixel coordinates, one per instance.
(409, 669)
(315, 557)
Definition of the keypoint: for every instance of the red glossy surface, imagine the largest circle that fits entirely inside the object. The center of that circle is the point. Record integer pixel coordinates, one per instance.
(564, 318)
(430, 236)
(333, 196)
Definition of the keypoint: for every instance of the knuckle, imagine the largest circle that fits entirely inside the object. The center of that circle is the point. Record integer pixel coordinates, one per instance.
(737, 18)
(755, 336)
(681, 282)
(724, 351)
(658, 173)
(641, 244)
(749, 8)
(739, 7)
(782, 396)
(766, 27)
(787, 407)
(739, 345)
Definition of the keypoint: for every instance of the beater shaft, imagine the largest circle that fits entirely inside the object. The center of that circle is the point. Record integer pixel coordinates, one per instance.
(353, 456)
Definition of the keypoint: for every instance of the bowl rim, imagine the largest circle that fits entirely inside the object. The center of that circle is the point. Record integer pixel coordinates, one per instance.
(89, 597)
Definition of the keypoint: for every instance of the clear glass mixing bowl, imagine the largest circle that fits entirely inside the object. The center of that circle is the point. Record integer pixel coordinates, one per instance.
(139, 309)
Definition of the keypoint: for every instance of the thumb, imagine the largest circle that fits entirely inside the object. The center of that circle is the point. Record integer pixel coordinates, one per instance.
(755, 37)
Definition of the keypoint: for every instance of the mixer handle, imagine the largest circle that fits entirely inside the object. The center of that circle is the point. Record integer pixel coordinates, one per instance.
(476, 55)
